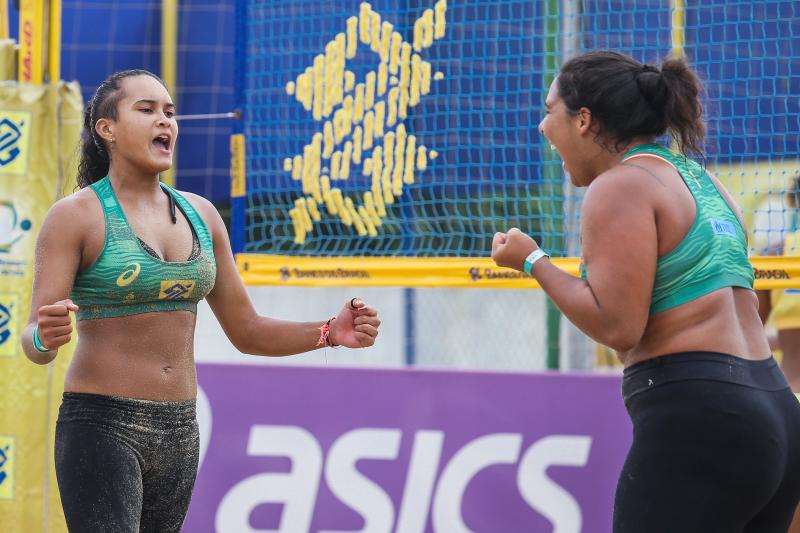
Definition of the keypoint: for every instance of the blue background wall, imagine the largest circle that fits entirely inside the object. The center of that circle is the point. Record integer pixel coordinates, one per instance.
(101, 37)
(481, 117)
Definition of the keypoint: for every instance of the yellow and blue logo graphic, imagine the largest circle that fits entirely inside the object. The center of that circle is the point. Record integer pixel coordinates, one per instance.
(362, 123)
(176, 289)
(12, 226)
(14, 141)
(129, 275)
(6, 467)
(9, 304)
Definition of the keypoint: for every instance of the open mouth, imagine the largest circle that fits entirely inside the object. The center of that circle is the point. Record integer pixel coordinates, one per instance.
(163, 142)
(552, 146)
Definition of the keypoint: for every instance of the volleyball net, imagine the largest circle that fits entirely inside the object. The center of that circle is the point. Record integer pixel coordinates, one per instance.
(397, 129)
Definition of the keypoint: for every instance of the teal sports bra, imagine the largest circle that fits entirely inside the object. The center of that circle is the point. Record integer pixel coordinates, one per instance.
(127, 280)
(712, 255)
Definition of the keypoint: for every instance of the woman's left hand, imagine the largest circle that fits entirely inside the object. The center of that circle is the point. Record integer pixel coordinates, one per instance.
(510, 249)
(356, 325)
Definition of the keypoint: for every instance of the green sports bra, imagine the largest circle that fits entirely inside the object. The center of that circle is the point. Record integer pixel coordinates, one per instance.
(712, 255)
(127, 280)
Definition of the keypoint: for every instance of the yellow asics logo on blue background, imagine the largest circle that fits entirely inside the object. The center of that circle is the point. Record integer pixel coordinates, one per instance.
(129, 275)
(176, 289)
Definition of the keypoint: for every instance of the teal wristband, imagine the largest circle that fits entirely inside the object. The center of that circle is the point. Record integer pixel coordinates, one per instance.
(535, 255)
(37, 342)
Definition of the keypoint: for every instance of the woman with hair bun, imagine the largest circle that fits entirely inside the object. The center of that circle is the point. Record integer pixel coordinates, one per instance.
(666, 282)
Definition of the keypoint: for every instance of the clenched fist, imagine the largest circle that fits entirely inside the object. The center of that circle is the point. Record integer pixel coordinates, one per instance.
(356, 325)
(510, 249)
(54, 323)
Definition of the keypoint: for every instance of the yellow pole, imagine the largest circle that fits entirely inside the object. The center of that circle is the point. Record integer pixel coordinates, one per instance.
(678, 8)
(3, 19)
(169, 52)
(31, 41)
(54, 42)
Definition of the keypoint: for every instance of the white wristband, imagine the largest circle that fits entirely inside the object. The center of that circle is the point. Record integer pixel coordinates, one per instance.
(535, 255)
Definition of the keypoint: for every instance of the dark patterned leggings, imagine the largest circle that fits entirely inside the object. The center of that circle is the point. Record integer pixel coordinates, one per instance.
(125, 465)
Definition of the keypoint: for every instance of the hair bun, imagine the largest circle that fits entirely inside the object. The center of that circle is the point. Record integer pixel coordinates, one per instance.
(653, 88)
(631, 100)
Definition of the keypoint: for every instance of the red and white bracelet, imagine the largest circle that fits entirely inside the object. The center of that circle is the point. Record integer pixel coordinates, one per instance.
(325, 334)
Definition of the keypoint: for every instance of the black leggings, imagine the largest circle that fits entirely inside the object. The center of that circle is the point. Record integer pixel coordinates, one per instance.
(125, 465)
(716, 447)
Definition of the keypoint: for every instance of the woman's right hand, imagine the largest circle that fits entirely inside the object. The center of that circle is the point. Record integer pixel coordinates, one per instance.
(511, 248)
(54, 323)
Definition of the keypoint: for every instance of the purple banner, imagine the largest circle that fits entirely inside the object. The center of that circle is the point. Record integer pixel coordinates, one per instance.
(297, 449)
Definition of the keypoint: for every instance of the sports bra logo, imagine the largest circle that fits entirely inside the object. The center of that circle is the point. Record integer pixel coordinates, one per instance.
(176, 289)
(723, 227)
(128, 275)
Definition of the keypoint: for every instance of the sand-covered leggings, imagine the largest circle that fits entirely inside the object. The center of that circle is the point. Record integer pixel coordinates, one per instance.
(125, 465)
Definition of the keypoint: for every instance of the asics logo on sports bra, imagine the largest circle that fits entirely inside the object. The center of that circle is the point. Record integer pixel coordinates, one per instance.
(129, 275)
(176, 289)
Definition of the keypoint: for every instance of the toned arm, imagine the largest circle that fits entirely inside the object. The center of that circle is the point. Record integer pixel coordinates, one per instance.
(249, 332)
(58, 256)
(620, 251)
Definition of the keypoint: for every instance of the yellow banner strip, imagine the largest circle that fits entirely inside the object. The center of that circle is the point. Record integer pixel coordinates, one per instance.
(477, 272)
(259, 269)
(776, 272)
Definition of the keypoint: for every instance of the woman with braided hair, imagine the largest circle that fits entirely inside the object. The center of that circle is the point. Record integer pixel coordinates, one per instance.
(131, 257)
(667, 283)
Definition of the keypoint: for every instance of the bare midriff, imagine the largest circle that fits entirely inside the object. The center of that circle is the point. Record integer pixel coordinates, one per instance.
(724, 321)
(147, 356)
